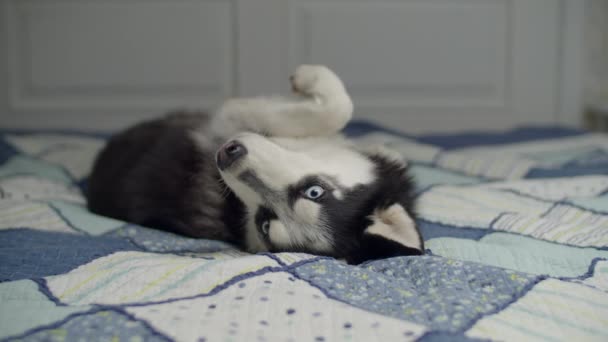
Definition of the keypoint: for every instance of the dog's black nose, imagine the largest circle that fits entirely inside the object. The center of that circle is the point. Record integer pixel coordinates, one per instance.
(229, 153)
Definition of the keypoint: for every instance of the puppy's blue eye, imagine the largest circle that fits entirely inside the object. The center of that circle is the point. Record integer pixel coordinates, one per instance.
(314, 192)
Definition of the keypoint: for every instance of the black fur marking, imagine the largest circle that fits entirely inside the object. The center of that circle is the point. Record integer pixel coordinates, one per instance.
(349, 217)
(154, 174)
(377, 247)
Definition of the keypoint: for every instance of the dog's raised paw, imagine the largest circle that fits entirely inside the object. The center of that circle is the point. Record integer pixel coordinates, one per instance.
(311, 80)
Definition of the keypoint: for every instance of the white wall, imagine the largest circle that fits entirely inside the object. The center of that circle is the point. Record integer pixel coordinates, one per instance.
(416, 65)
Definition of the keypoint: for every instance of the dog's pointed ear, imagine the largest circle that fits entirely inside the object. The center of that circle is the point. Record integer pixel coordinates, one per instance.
(392, 232)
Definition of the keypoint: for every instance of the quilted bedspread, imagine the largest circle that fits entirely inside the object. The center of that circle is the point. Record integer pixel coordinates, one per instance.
(515, 224)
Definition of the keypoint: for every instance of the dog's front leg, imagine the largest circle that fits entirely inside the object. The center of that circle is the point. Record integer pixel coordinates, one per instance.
(325, 108)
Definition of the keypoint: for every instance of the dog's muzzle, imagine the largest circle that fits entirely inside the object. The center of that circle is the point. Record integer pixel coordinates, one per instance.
(229, 153)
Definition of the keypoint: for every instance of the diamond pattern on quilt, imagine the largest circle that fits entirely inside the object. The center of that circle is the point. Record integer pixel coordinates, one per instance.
(507, 206)
(562, 223)
(576, 155)
(443, 294)
(153, 240)
(521, 253)
(599, 279)
(552, 310)
(27, 166)
(272, 307)
(573, 156)
(487, 165)
(556, 189)
(427, 176)
(27, 253)
(135, 277)
(33, 188)
(292, 258)
(34, 215)
(24, 307)
(79, 217)
(74, 153)
(474, 206)
(546, 152)
(410, 149)
(491, 165)
(99, 326)
(596, 204)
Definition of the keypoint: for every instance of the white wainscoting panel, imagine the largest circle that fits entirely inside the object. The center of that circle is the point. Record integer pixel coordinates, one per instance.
(424, 65)
(119, 54)
(404, 53)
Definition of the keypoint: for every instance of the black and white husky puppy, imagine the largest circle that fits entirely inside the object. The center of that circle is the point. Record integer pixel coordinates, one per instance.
(267, 174)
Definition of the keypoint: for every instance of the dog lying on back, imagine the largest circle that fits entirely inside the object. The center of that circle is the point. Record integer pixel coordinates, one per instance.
(266, 174)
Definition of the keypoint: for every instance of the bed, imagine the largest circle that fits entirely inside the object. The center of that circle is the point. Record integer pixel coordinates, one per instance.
(515, 225)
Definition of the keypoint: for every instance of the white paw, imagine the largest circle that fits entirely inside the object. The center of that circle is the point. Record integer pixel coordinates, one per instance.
(311, 80)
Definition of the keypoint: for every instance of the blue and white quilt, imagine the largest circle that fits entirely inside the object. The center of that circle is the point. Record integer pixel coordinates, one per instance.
(516, 226)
